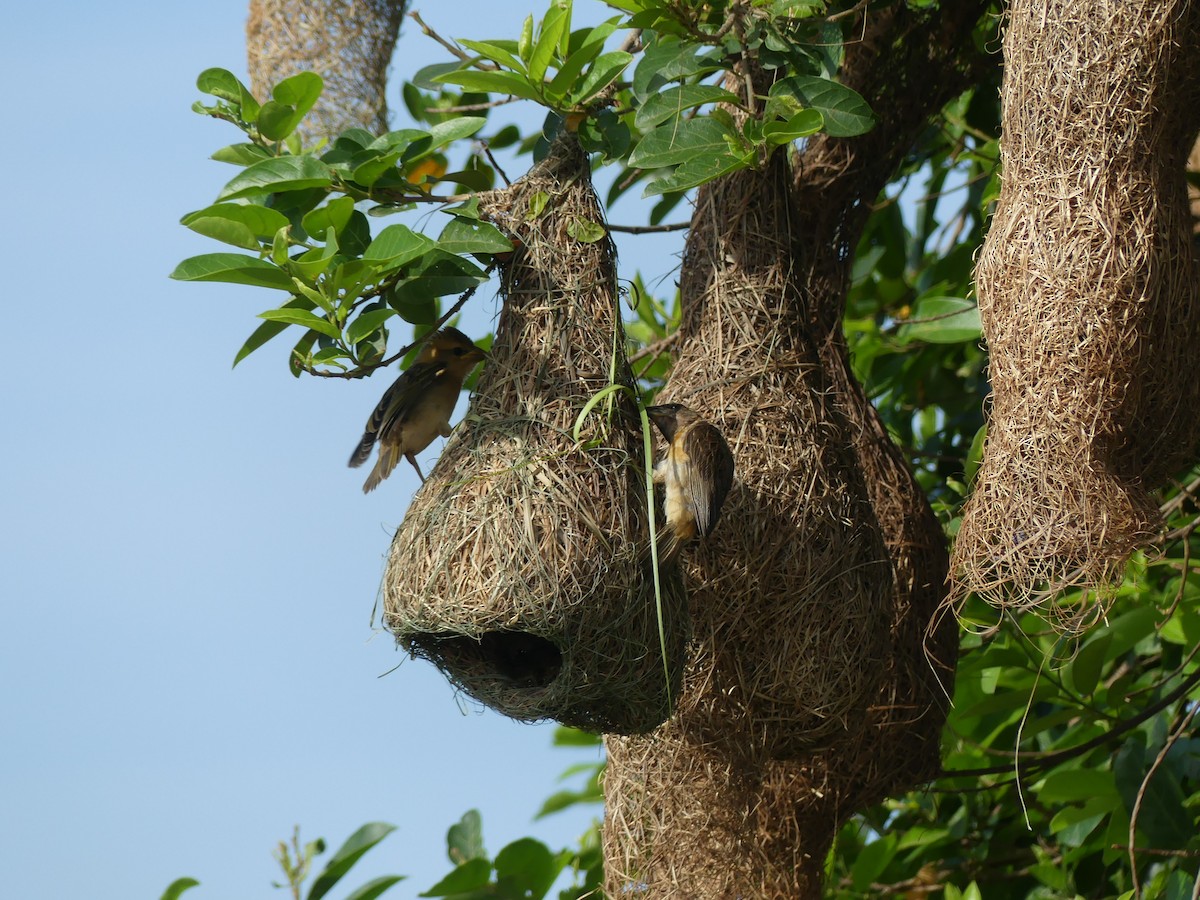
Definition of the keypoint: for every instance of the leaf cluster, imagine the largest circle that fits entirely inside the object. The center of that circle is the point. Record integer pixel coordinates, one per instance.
(299, 219)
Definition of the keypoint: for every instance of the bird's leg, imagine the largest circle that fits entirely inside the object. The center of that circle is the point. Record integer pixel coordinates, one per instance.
(412, 459)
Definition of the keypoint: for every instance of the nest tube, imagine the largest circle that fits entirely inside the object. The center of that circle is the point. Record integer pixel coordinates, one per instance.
(518, 569)
(789, 595)
(349, 43)
(1087, 293)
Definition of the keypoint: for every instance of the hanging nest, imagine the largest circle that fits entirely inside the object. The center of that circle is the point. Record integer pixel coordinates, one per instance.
(349, 43)
(786, 595)
(787, 591)
(517, 567)
(1087, 291)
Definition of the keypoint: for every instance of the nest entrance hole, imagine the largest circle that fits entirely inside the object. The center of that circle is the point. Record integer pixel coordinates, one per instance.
(515, 658)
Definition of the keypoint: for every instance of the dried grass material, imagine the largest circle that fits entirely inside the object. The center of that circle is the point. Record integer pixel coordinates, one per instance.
(1087, 292)
(900, 745)
(516, 569)
(785, 595)
(349, 43)
(786, 592)
(686, 819)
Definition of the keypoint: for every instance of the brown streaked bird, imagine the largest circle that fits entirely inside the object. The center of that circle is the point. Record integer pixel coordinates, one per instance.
(418, 405)
(696, 475)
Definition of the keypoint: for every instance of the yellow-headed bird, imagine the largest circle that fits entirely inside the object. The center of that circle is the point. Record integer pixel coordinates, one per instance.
(418, 405)
(696, 474)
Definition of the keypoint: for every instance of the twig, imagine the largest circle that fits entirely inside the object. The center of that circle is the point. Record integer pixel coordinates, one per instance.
(860, 5)
(449, 45)
(654, 349)
(1121, 728)
(487, 151)
(649, 229)
(475, 107)
(1141, 793)
(363, 371)
(1158, 851)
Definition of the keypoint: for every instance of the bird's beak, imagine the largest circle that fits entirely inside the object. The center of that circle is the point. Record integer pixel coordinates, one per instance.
(663, 418)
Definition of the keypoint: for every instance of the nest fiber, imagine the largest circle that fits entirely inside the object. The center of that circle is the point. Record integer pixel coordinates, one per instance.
(789, 595)
(1087, 291)
(349, 43)
(517, 569)
(787, 590)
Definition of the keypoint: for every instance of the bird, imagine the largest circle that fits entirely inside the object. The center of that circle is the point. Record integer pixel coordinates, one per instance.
(696, 474)
(418, 405)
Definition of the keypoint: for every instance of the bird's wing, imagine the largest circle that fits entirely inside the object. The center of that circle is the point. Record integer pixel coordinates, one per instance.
(399, 401)
(712, 471)
(396, 405)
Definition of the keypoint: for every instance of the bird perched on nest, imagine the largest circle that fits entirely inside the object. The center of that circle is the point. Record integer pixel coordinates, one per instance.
(418, 405)
(696, 474)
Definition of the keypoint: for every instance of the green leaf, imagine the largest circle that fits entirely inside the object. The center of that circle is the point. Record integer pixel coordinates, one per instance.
(1068, 785)
(366, 323)
(397, 245)
(571, 69)
(527, 868)
(312, 321)
(496, 53)
(375, 887)
(177, 887)
(681, 142)
(673, 101)
(561, 800)
(845, 112)
(267, 330)
(667, 60)
(347, 855)
(335, 214)
(225, 85)
(283, 173)
(370, 170)
(464, 839)
(472, 875)
(470, 236)
(242, 225)
(232, 268)
(444, 133)
(585, 231)
(801, 125)
(292, 99)
(698, 171)
(604, 71)
(1088, 663)
(553, 25)
(437, 274)
(1163, 817)
(241, 154)
(1073, 824)
(942, 320)
(537, 205)
(491, 83)
(872, 860)
(427, 77)
(525, 43)
(565, 736)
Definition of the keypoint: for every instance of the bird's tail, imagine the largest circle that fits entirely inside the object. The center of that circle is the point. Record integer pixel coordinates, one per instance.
(388, 457)
(669, 548)
(363, 451)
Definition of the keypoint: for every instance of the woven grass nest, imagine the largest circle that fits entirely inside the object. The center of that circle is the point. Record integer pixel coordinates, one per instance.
(1087, 291)
(349, 43)
(741, 793)
(786, 593)
(517, 569)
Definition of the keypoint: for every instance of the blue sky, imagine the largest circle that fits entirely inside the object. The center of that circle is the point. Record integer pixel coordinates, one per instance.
(189, 568)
